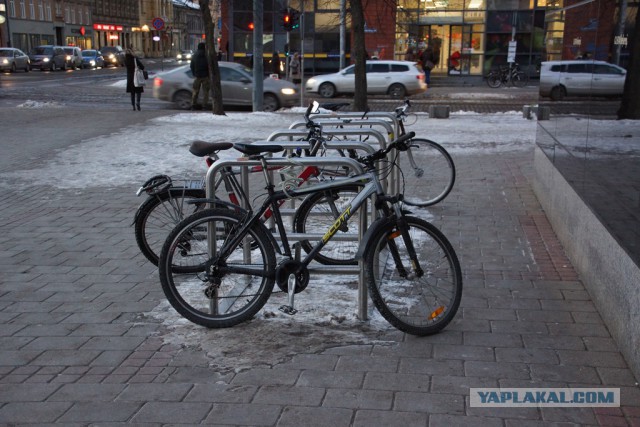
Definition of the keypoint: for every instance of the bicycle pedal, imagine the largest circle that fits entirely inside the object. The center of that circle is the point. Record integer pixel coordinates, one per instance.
(287, 309)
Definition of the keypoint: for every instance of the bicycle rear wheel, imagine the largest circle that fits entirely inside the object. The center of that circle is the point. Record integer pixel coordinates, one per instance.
(317, 213)
(216, 293)
(520, 79)
(431, 175)
(418, 305)
(159, 213)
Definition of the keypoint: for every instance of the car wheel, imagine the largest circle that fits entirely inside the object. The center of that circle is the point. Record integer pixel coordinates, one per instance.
(327, 90)
(397, 90)
(270, 102)
(182, 99)
(13, 67)
(27, 68)
(558, 93)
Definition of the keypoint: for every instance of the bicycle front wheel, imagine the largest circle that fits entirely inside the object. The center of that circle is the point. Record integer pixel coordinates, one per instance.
(520, 79)
(428, 172)
(494, 80)
(157, 216)
(317, 213)
(213, 292)
(422, 298)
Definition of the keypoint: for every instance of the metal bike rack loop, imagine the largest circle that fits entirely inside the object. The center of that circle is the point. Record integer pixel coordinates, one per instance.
(299, 133)
(305, 161)
(342, 116)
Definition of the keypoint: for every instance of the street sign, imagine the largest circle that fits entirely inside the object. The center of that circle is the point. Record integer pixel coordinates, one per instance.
(158, 23)
(511, 54)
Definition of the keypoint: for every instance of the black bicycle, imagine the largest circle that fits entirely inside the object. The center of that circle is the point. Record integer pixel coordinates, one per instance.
(218, 266)
(507, 75)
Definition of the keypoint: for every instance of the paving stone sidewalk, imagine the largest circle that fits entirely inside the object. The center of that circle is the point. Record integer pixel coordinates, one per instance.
(76, 347)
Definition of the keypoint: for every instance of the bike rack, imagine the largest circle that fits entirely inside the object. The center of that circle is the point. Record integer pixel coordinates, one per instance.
(344, 116)
(295, 133)
(244, 165)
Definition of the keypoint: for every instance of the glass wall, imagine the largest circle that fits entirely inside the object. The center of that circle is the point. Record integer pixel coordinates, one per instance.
(472, 36)
(595, 152)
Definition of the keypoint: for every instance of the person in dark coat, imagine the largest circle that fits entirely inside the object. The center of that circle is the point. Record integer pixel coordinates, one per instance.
(200, 69)
(428, 60)
(130, 61)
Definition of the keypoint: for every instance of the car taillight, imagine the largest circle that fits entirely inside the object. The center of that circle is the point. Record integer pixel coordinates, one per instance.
(157, 82)
(420, 77)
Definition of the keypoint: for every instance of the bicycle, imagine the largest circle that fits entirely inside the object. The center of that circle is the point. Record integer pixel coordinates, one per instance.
(410, 268)
(507, 75)
(167, 204)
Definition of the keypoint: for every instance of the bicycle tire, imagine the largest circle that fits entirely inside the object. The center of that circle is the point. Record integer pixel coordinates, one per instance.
(494, 80)
(242, 288)
(317, 213)
(417, 306)
(159, 214)
(520, 79)
(434, 177)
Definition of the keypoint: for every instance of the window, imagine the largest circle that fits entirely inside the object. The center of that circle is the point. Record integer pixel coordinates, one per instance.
(23, 10)
(32, 9)
(230, 75)
(40, 10)
(350, 70)
(49, 12)
(12, 8)
(377, 68)
(605, 69)
(399, 68)
(579, 68)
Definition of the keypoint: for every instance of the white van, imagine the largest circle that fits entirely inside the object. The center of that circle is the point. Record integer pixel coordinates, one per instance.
(581, 78)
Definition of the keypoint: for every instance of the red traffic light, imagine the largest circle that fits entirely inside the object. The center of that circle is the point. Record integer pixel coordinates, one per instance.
(250, 26)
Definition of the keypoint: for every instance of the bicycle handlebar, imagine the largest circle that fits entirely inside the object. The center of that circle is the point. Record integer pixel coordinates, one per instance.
(398, 144)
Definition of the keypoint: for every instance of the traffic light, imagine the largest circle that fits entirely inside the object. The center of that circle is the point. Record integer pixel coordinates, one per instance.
(250, 26)
(290, 19)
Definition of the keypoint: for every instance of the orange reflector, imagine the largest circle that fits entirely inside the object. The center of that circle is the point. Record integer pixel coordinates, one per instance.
(437, 312)
(394, 235)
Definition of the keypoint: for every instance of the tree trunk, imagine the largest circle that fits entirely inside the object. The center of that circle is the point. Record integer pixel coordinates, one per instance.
(360, 53)
(630, 105)
(212, 57)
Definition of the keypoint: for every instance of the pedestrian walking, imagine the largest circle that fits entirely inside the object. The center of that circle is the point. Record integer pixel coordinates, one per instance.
(200, 69)
(131, 62)
(275, 64)
(294, 69)
(428, 61)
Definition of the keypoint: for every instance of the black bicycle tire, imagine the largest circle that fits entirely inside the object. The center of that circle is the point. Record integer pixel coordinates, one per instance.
(167, 269)
(520, 79)
(148, 207)
(494, 80)
(378, 240)
(303, 214)
(411, 184)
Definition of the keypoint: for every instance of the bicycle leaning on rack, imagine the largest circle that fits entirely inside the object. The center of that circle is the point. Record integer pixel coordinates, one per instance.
(218, 266)
(507, 75)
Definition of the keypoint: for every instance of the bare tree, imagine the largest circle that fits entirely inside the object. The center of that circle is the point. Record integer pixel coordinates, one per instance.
(630, 105)
(360, 53)
(212, 57)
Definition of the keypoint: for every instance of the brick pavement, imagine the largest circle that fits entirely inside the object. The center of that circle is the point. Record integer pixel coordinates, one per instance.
(76, 347)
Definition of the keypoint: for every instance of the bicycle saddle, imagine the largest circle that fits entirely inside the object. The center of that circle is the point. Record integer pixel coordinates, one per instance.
(253, 150)
(204, 148)
(334, 106)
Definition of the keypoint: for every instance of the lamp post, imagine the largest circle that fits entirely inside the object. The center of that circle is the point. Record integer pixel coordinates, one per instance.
(5, 15)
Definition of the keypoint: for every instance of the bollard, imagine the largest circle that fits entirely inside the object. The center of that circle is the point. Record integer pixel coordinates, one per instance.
(439, 111)
(543, 113)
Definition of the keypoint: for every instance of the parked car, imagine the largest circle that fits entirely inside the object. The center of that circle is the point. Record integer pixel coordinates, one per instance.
(395, 78)
(237, 87)
(48, 57)
(13, 60)
(92, 58)
(74, 57)
(559, 79)
(113, 55)
(184, 55)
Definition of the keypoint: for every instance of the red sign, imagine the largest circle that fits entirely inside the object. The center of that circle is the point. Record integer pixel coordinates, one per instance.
(82, 31)
(107, 27)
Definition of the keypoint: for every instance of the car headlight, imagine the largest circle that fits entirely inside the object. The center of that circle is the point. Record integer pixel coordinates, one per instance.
(68, 58)
(288, 91)
(179, 56)
(5, 61)
(45, 60)
(93, 63)
(311, 81)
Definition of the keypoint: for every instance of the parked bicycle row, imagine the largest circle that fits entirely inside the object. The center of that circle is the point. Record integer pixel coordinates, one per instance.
(220, 252)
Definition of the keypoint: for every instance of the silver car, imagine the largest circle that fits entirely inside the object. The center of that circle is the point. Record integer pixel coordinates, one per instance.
(237, 88)
(74, 57)
(395, 78)
(13, 60)
(581, 78)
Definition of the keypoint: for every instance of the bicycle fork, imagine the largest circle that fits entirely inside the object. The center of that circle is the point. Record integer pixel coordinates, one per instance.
(402, 230)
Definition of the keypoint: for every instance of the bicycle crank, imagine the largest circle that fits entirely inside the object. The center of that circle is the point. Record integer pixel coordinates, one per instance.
(288, 267)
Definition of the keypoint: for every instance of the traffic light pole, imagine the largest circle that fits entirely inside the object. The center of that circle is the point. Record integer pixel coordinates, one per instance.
(258, 54)
(302, 53)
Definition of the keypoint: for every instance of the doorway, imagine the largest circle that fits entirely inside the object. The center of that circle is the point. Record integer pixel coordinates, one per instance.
(452, 46)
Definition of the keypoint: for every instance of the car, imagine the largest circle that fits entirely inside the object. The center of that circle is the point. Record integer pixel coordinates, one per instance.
(12, 59)
(395, 78)
(48, 57)
(92, 58)
(74, 57)
(113, 55)
(184, 55)
(237, 87)
(580, 77)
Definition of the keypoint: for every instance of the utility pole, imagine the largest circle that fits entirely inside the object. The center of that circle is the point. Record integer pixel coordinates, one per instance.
(258, 54)
(620, 31)
(343, 33)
